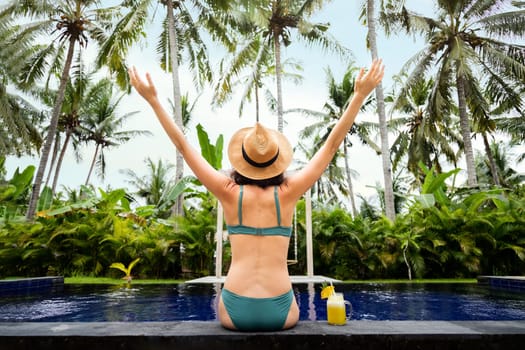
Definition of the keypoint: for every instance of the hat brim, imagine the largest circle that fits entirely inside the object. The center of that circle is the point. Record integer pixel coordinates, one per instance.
(278, 167)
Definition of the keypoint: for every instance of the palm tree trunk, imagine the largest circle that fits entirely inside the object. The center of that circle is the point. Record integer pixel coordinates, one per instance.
(278, 77)
(349, 180)
(406, 263)
(35, 193)
(385, 148)
(59, 162)
(465, 132)
(256, 102)
(92, 166)
(492, 163)
(177, 209)
(56, 146)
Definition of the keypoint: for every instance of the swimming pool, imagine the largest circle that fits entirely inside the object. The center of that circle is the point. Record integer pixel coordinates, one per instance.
(196, 302)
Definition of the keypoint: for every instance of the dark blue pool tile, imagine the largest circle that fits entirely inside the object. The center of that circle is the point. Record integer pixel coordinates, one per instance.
(26, 286)
(516, 283)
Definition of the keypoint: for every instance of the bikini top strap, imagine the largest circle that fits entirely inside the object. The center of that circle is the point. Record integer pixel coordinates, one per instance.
(277, 205)
(239, 204)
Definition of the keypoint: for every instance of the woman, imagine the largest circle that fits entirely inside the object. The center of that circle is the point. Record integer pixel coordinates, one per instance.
(258, 202)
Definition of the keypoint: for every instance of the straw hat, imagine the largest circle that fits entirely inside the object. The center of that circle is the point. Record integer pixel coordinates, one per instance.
(259, 153)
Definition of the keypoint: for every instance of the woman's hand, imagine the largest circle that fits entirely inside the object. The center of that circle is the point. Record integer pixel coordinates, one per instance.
(145, 88)
(365, 83)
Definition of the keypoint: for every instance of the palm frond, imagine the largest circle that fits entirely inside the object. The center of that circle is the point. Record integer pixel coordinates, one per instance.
(308, 7)
(113, 48)
(513, 126)
(189, 38)
(233, 68)
(508, 60)
(474, 9)
(506, 24)
(440, 100)
(414, 23)
(498, 90)
(316, 34)
(216, 21)
(423, 61)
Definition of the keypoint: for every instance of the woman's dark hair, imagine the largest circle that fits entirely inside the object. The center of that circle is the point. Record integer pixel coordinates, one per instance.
(243, 180)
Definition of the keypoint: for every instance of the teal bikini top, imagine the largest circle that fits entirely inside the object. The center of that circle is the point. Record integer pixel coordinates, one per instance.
(265, 231)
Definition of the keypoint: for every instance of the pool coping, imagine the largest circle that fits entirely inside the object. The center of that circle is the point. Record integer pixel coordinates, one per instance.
(382, 335)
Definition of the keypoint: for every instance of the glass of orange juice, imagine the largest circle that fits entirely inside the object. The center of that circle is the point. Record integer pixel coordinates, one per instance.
(336, 309)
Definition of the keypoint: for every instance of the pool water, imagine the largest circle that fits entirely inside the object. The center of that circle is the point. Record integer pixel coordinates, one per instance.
(179, 302)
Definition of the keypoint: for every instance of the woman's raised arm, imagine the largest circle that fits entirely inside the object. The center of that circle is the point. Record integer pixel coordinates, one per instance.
(365, 83)
(214, 180)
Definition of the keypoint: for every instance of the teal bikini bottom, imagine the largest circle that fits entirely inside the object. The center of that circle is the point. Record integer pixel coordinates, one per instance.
(257, 314)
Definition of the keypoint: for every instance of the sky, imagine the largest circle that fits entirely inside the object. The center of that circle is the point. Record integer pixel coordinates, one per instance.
(310, 94)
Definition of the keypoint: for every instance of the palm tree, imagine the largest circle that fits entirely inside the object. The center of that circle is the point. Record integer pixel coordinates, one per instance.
(390, 210)
(509, 118)
(19, 132)
(338, 98)
(81, 99)
(79, 88)
(67, 24)
(485, 127)
(255, 56)
(506, 175)
(423, 139)
(273, 19)
(19, 121)
(102, 124)
(515, 127)
(400, 187)
(153, 186)
(466, 46)
(180, 31)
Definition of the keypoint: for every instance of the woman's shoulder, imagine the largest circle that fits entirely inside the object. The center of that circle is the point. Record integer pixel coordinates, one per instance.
(229, 190)
(293, 187)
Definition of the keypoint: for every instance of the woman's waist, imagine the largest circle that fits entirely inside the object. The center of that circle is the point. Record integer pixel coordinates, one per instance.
(257, 289)
(257, 282)
(246, 258)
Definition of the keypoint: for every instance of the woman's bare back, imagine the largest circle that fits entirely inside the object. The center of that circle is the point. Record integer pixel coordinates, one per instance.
(259, 263)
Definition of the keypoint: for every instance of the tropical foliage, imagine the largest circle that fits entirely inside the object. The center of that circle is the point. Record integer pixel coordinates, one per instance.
(86, 237)
(445, 233)
(467, 83)
(468, 46)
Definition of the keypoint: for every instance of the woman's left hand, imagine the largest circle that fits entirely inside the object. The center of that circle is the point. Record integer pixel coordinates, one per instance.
(145, 88)
(366, 82)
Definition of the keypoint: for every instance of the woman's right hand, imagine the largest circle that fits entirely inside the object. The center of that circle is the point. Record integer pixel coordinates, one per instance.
(145, 88)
